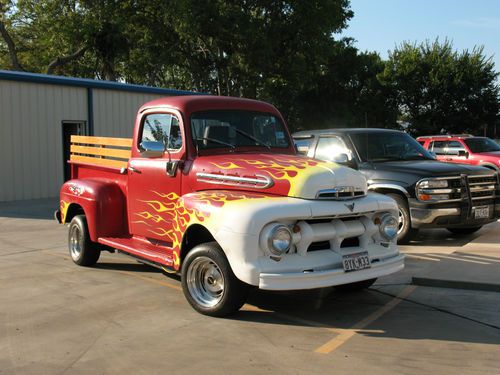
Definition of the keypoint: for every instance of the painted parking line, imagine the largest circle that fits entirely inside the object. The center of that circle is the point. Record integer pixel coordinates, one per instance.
(457, 259)
(421, 257)
(345, 335)
(476, 257)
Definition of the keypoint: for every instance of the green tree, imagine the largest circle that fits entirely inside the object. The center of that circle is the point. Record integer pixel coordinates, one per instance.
(439, 89)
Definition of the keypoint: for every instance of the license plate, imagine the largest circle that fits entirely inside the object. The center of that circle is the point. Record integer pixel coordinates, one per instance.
(482, 212)
(356, 262)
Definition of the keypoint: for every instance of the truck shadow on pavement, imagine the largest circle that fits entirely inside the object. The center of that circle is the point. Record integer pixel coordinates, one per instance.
(339, 312)
(441, 237)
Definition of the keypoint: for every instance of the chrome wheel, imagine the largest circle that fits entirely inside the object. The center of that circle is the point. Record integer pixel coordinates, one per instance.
(75, 242)
(401, 220)
(205, 282)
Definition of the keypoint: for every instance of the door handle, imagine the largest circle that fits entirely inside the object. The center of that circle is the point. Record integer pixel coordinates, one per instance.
(132, 169)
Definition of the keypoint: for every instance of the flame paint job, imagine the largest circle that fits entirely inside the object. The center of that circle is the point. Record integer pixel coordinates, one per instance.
(194, 208)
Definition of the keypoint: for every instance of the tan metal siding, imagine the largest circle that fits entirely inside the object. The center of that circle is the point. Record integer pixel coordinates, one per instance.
(115, 111)
(31, 136)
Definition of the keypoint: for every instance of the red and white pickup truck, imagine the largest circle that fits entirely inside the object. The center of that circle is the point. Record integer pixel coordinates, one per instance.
(212, 188)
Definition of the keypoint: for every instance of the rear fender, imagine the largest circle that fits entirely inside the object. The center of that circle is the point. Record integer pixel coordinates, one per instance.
(103, 203)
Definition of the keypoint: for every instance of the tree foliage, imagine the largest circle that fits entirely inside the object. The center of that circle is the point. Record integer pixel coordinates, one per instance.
(439, 89)
(281, 51)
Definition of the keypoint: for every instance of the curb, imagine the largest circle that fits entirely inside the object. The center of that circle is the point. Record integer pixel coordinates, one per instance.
(455, 284)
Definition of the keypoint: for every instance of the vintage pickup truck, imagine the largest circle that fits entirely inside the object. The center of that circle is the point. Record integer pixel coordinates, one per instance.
(212, 188)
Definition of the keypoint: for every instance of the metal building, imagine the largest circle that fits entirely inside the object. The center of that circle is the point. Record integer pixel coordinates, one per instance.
(38, 114)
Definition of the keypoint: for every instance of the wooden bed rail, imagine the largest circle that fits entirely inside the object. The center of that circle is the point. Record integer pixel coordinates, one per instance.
(106, 151)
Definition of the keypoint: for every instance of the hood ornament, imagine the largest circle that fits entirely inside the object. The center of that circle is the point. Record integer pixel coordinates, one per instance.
(350, 206)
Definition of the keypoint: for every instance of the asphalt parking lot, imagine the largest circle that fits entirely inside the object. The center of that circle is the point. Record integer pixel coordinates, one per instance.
(439, 315)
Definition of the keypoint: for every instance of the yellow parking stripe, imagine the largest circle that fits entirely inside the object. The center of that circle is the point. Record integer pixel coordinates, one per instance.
(345, 335)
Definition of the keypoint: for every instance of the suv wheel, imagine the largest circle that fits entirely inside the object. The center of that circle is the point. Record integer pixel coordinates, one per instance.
(405, 231)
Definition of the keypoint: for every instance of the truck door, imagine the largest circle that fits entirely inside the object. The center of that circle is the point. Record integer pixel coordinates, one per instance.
(153, 190)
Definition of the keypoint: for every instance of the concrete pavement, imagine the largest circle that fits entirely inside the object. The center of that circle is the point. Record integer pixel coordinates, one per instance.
(124, 317)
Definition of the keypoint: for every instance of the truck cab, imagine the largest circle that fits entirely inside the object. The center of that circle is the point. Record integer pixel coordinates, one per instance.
(212, 188)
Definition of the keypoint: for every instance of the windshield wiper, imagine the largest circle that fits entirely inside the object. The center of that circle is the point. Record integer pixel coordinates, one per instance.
(261, 143)
(216, 141)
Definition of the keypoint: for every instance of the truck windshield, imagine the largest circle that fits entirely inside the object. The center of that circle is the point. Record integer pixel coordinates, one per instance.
(216, 129)
(388, 146)
(479, 144)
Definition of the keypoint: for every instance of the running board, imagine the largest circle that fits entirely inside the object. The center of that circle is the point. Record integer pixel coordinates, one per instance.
(155, 255)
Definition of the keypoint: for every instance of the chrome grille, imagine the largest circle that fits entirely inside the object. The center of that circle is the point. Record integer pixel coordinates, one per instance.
(482, 187)
(340, 194)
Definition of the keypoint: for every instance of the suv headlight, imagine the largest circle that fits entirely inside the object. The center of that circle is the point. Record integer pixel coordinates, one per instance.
(433, 184)
(389, 226)
(433, 190)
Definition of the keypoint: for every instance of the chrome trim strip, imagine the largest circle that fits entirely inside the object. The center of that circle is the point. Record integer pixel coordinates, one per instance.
(375, 186)
(261, 182)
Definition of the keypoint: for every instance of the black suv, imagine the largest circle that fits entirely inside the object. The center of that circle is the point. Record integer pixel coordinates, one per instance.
(429, 193)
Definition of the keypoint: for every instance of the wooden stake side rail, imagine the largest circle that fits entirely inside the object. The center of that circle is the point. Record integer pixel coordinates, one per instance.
(106, 151)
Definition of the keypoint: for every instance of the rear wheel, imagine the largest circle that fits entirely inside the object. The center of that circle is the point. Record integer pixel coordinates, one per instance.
(353, 287)
(405, 231)
(209, 283)
(467, 230)
(82, 250)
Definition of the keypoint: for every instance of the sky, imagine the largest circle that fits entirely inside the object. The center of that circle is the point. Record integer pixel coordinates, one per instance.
(380, 25)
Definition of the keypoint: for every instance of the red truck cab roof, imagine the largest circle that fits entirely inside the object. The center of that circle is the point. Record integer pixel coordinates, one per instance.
(194, 103)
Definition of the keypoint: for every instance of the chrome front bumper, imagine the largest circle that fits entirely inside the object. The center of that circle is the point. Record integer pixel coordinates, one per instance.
(426, 217)
(331, 277)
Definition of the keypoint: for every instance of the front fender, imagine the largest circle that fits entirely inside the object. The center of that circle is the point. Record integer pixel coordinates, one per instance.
(235, 220)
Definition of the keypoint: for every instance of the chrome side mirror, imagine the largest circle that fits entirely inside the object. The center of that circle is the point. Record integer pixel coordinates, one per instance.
(152, 149)
(341, 158)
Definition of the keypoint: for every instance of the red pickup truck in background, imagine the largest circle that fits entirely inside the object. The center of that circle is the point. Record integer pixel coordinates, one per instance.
(465, 149)
(212, 188)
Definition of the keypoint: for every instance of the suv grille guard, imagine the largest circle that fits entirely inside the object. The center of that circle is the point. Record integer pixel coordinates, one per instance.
(470, 187)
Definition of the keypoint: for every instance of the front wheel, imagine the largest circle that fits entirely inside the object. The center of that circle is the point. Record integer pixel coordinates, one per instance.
(405, 231)
(209, 283)
(82, 250)
(467, 230)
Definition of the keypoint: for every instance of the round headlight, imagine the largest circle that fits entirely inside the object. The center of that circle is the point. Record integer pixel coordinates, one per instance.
(280, 239)
(389, 226)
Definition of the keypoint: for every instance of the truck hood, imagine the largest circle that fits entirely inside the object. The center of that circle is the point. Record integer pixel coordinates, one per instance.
(283, 175)
(408, 173)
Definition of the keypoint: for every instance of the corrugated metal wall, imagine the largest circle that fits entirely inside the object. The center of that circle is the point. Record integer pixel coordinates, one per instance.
(31, 116)
(115, 111)
(31, 136)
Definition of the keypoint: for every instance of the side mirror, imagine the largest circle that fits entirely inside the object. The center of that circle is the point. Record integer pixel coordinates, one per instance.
(433, 154)
(341, 158)
(463, 153)
(344, 160)
(152, 149)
